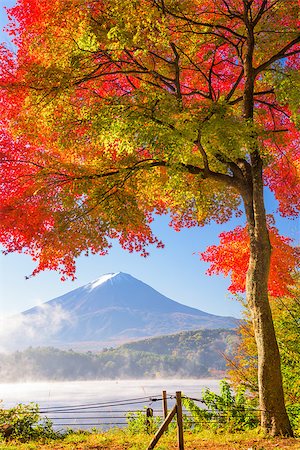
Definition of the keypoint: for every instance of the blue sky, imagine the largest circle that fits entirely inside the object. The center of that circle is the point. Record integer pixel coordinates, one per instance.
(175, 271)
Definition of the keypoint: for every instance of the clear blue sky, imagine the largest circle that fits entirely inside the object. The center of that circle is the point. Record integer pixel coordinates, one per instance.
(175, 271)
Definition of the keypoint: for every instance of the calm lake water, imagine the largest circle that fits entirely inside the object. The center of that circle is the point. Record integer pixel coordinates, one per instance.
(86, 404)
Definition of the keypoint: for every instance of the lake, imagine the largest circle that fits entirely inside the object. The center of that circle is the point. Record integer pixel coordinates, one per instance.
(86, 404)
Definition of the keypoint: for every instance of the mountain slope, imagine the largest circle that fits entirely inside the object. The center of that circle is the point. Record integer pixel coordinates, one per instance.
(113, 309)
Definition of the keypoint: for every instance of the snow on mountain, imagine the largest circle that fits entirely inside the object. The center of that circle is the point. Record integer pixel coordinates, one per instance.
(113, 309)
(101, 280)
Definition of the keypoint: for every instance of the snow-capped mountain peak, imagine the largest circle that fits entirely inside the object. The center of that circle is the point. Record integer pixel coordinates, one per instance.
(101, 280)
(115, 308)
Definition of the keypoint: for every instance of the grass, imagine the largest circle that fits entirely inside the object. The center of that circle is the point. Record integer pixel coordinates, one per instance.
(122, 440)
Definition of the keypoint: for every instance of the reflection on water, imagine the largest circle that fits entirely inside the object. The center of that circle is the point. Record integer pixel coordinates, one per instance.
(83, 404)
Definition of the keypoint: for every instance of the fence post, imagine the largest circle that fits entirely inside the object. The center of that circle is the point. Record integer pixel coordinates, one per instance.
(162, 429)
(149, 413)
(179, 421)
(164, 402)
(176, 410)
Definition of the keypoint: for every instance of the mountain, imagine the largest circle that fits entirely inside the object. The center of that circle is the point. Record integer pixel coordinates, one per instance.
(111, 310)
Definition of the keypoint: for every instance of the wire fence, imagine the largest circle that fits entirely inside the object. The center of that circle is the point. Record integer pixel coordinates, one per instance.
(104, 415)
(101, 414)
(119, 413)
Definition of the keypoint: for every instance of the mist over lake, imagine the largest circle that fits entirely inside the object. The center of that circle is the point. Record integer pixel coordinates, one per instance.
(70, 393)
(58, 398)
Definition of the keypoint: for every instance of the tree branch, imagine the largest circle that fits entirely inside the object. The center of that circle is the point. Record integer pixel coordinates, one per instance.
(260, 12)
(203, 24)
(278, 56)
(234, 87)
(203, 152)
(177, 73)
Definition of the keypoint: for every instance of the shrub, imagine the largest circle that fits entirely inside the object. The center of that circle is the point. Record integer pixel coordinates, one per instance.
(224, 411)
(138, 422)
(294, 416)
(24, 423)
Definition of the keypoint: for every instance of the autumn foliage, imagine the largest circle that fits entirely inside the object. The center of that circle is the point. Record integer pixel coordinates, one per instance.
(231, 257)
(162, 67)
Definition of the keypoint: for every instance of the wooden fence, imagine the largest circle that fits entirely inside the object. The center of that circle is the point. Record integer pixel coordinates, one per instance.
(175, 411)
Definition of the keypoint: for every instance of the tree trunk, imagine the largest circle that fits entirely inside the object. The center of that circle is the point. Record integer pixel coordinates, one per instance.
(274, 419)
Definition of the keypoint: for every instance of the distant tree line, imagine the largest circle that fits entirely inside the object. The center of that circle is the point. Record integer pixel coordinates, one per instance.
(187, 354)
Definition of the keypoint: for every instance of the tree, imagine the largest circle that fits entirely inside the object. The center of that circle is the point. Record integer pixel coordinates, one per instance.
(243, 367)
(114, 111)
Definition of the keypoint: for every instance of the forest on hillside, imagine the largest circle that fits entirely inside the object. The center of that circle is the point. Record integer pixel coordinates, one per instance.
(194, 354)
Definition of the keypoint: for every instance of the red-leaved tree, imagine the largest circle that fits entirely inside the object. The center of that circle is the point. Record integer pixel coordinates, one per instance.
(112, 112)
